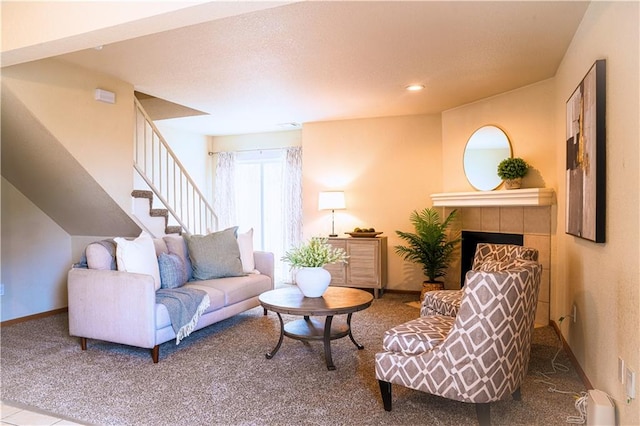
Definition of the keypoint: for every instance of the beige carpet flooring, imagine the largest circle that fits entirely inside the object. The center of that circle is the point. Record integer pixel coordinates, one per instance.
(220, 376)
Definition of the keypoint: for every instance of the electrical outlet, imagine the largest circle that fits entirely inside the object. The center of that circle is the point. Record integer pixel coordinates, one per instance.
(621, 372)
(630, 378)
(575, 314)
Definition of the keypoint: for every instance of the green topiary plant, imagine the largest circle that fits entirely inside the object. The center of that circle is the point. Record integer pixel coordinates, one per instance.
(512, 168)
(429, 245)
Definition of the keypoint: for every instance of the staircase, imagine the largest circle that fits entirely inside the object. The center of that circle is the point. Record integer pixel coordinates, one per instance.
(168, 182)
(156, 221)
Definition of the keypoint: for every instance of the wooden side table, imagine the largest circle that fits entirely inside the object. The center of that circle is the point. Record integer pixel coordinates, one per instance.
(367, 266)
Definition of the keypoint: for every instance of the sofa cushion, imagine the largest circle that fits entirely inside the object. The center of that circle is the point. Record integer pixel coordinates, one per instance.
(176, 244)
(172, 270)
(101, 255)
(418, 335)
(215, 255)
(216, 297)
(237, 289)
(160, 246)
(216, 301)
(138, 256)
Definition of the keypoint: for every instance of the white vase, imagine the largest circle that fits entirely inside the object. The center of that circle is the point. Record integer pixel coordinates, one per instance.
(313, 282)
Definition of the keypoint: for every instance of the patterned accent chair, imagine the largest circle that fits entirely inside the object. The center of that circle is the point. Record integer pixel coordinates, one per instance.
(479, 356)
(488, 257)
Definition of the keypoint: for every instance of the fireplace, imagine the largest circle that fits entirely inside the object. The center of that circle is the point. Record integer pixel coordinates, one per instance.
(512, 213)
(470, 240)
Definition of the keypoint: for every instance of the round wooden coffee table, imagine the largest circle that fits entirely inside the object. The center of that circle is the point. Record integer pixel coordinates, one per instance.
(335, 301)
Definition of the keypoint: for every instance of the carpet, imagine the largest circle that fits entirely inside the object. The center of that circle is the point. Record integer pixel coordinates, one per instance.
(414, 304)
(220, 375)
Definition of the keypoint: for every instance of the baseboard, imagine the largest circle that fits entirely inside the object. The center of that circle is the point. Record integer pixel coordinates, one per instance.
(34, 316)
(572, 357)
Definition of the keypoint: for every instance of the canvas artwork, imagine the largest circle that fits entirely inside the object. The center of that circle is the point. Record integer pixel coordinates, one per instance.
(585, 170)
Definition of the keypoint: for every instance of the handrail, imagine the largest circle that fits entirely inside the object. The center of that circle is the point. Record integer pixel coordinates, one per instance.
(158, 165)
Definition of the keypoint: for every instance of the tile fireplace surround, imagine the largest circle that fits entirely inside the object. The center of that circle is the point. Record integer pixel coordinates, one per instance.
(525, 211)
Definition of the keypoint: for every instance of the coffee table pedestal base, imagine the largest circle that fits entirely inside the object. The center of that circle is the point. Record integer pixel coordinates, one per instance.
(314, 329)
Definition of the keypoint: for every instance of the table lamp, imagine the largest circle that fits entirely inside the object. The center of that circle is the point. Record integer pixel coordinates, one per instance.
(331, 200)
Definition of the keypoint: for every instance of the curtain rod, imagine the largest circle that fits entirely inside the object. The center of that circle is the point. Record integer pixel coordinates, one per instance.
(254, 149)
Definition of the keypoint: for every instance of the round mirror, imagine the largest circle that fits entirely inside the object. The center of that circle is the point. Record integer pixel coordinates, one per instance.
(486, 148)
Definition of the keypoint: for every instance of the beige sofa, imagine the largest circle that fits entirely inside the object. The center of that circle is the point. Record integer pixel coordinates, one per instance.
(120, 307)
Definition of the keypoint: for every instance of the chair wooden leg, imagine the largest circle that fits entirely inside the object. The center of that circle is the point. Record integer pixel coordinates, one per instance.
(517, 396)
(155, 354)
(385, 391)
(83, 343)
(483, 411)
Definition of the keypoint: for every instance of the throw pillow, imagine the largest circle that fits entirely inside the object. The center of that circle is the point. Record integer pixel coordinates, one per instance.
(138, 256)
(172, 270)
(215, 255)
(245, 244)
(176, 244)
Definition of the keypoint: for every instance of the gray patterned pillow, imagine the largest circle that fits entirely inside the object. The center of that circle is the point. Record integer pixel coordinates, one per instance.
(172, 270)
(215, 255)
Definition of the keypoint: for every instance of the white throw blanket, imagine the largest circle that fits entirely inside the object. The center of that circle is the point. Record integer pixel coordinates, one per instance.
(185, 305)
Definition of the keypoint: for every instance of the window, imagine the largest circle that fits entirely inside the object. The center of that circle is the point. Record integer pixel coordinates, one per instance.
(262, 190)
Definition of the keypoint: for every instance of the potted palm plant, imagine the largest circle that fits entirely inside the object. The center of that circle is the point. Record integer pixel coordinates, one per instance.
(511, 171)
(429, 245)
(309, 258)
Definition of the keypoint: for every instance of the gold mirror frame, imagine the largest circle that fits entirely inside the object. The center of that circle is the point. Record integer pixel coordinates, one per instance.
(485, 149)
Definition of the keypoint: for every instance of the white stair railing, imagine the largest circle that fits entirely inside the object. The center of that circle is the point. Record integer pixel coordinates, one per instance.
(166, 176)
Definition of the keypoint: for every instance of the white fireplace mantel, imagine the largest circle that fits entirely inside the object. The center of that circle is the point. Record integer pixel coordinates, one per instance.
(502, 198)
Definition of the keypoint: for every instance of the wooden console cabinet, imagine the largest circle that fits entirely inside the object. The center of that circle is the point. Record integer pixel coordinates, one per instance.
(367, 267)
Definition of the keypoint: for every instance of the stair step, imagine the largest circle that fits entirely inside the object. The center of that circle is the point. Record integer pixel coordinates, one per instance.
(139, 193)
(162, 213)
(174, 229)
(159, 213)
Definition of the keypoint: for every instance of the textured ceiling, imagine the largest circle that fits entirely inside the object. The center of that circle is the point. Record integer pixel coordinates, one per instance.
(315, 61)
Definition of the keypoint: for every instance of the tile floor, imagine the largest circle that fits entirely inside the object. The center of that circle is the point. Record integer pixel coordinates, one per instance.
(18, 415)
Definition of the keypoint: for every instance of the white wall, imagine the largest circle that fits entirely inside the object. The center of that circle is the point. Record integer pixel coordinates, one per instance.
(603, 280)
(525, 115)
(387, 167)
(36, 255)
(98, 135)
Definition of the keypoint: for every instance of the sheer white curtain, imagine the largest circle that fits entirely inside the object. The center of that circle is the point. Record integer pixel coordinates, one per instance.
(262, 190)
(224, 190)
(292, 203)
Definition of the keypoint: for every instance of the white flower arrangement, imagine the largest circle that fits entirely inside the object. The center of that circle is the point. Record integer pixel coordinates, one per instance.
(317, 252)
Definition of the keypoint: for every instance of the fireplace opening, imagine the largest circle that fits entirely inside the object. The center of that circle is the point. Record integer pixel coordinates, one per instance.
(470, 240)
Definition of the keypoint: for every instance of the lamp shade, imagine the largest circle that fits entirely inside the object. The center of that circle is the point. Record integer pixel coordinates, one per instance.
(331, 200)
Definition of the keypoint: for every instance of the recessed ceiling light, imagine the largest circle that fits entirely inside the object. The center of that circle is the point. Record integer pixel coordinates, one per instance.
(415, 87)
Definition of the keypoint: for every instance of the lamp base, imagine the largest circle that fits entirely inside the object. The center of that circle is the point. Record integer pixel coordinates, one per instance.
(333, 235)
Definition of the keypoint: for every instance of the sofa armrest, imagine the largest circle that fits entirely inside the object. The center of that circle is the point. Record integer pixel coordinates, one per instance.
(264, 262)
(112, 305)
